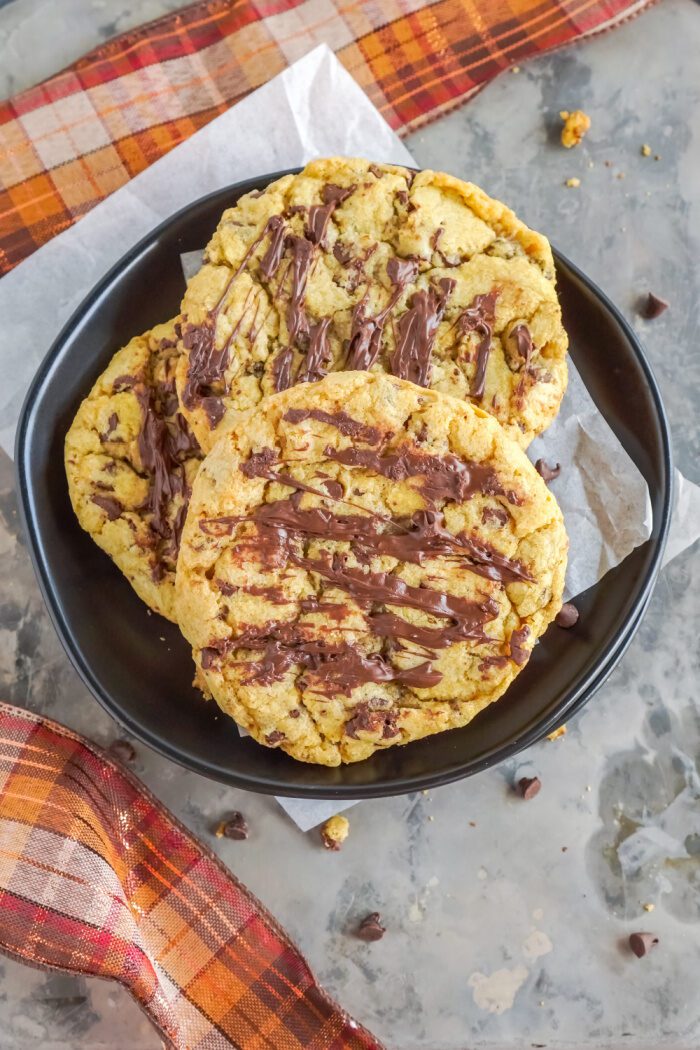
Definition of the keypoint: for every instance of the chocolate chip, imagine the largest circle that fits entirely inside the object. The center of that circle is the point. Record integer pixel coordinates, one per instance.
(236, 827)
(567, 616)
(547, 472)
(122, 750)
(642, 943)
(274, 737)
(371, 929)
(112, 507)
(528, 787)
(653, 306)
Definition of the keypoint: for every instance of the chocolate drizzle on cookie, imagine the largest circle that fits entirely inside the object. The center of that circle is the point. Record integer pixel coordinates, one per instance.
(285, 528)
(416, 331)
(366, 330)
(342, 422)
(207, 364)
(479, 318)
(444, 477)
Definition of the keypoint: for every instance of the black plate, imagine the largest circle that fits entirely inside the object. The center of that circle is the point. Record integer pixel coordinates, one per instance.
(145, 682)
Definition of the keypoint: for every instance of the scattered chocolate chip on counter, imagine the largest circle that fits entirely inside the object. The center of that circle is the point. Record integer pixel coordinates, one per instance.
(334, 832)
(234, 827)
(546, 472)
(528, 787)
(567, 616)
(123, 750)
(642, 943)
(653, 306)
(576, 124)
(371, 929)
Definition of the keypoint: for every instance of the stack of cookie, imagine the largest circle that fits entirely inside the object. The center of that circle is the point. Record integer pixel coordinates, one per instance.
(317, 469)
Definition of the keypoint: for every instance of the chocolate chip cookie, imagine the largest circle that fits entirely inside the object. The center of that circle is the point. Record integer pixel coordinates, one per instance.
(358, 266)
(365, 563)
(130, 460)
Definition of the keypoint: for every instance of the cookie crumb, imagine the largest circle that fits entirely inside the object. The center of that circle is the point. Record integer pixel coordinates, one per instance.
(528, 787)
(334, 832)
(472, 823)
(234, 827)
(620, 175)
(515, 69)
(371, 929)
(645, 150)
(642, 943)
(123, 750)
(648, 907)
(564, 849)
(561, 731)
(573, 182)
(576, 124)
(657, 156)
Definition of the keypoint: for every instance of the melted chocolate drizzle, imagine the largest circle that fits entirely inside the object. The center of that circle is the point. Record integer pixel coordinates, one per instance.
(318, 354)
(269, 264)
(392, 590)
(302, 253)
(366, 332)
(282, 369)
(444, 477)
(207, 364)
(342, 422)
(417, 329)
(479, 318)
(282, 527)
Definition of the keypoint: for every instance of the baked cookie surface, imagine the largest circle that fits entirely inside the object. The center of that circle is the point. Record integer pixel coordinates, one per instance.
(364, 564)
(130, 460)
(351, 265)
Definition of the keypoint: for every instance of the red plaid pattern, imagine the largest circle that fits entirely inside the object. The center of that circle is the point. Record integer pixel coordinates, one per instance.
(97, 877)
(69, 142)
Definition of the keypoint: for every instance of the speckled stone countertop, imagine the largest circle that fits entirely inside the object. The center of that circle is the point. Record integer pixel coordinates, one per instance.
(507, 921)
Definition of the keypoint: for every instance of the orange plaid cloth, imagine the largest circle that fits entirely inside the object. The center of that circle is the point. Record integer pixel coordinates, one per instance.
(97, 877)
(68, 143)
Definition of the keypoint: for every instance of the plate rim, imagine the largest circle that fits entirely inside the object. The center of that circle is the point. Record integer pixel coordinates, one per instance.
(607, 658)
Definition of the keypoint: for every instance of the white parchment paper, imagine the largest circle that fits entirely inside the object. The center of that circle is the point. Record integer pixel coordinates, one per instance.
(313, 108)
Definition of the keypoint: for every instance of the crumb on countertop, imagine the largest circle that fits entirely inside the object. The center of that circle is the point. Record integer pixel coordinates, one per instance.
(561, 731)
(576, 124)
(573, 182)
(645, 150)
(335, 831)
